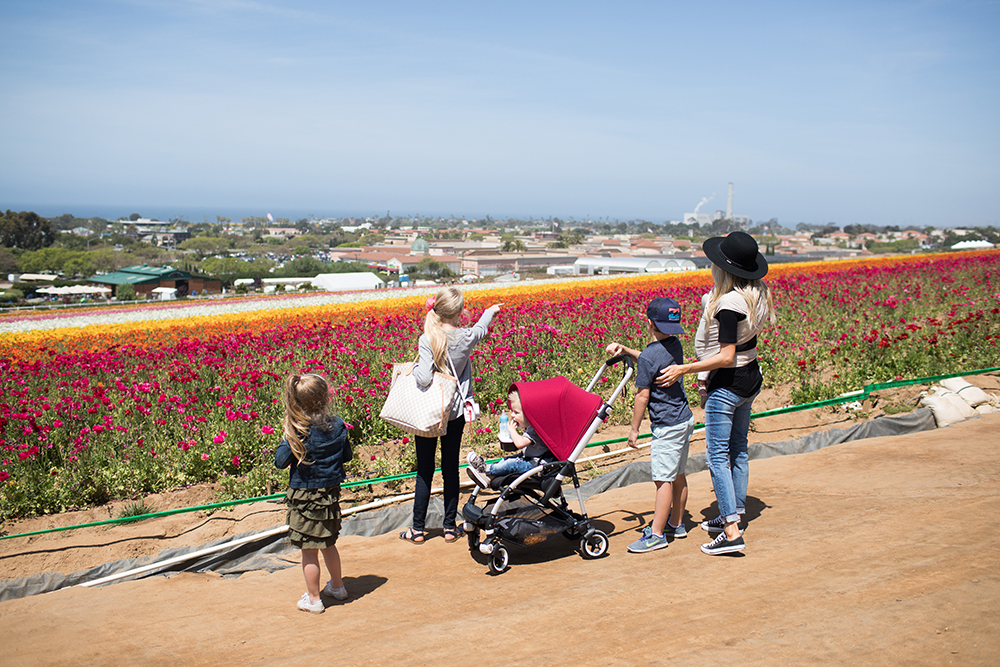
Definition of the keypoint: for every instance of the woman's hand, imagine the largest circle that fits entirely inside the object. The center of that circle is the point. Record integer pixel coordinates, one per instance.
(614, 349)
(495, 308)
(669, 375)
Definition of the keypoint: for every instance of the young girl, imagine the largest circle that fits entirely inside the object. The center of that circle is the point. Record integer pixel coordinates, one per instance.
(443, 345)
(315, 444)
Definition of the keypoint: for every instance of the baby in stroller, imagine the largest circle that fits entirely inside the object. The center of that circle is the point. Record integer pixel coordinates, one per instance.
(532, 451)
(558, 419)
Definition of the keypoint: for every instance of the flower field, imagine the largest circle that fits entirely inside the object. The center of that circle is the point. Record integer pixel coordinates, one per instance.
(107, 412)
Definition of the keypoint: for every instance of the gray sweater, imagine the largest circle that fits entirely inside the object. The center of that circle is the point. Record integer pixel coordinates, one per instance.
(460, 345)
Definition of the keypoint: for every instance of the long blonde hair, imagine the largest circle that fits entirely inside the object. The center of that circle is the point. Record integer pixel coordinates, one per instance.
(752, 291)
(447, 308)
(305, 399)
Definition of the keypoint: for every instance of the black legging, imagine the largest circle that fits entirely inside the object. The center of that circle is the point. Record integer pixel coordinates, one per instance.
(451, 443)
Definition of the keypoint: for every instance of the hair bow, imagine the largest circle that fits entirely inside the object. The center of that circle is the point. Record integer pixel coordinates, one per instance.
(429, 304)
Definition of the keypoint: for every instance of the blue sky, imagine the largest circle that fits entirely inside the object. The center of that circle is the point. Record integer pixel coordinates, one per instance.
(850, 112)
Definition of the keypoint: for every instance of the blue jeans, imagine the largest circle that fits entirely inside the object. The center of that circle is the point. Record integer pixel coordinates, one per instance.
(727, 422)
(509, 465)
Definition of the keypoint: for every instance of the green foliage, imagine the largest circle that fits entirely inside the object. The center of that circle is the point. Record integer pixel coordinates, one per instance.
(902, 245)
(135, 509)
(11, 296)
(125, 292)
(26, 230)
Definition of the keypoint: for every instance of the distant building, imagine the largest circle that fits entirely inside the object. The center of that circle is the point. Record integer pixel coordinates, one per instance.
(146, 279)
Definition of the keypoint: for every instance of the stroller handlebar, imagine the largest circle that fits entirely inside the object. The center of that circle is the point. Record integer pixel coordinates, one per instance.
(621, 357)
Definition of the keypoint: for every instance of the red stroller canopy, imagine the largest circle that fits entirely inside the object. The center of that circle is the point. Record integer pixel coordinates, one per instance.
(559, 411)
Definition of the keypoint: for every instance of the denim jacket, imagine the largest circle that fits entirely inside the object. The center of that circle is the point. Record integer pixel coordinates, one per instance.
(327, 450)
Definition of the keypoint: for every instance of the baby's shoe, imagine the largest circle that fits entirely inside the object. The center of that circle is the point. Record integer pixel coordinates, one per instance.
(477, 470)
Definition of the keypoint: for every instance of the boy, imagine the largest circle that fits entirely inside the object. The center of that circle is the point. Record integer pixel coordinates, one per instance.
(671, 423)
(533, 451)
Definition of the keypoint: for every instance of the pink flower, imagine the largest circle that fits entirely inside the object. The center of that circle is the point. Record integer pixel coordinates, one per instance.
(266, 430)
(236, 461)
(219, 439)
(405, 440)
(204, 457)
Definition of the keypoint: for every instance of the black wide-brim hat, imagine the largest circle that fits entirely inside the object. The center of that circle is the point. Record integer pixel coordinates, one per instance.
(737, 254)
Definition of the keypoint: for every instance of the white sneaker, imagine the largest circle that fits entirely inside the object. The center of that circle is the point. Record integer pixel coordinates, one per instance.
(335, 593)
(477, 470)
(305, 604)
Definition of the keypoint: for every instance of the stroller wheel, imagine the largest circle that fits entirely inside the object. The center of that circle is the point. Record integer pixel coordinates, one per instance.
(499, 560)
(594, 546)
(473, 537)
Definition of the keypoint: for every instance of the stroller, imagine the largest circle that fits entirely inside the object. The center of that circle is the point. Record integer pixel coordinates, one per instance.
(531, 507)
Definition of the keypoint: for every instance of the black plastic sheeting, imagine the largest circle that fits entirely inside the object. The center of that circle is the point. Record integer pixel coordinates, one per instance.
(272, 552)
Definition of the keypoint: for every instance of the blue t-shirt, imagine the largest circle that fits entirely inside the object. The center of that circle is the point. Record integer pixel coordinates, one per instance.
(668, 406)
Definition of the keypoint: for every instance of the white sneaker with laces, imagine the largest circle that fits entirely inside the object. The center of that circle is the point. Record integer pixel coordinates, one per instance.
(305, 604)
(335, 593)
(477, 470)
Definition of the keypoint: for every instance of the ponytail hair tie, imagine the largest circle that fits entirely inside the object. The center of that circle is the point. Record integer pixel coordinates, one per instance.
(429, 304)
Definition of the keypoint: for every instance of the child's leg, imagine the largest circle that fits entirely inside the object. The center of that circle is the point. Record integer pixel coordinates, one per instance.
(310, 571)
(661, 509)
(332, 558)
(679, 501)
(508, 466)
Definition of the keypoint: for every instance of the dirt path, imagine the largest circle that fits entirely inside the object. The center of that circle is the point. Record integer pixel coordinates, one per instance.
(872, 552)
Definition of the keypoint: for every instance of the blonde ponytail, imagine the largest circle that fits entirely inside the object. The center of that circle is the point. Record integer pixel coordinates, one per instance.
(448, 306)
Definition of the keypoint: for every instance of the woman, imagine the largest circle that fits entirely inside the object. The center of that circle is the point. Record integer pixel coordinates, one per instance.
(736, 310)
(444, 346)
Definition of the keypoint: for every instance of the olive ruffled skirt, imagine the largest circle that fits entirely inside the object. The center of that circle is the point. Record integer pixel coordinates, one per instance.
(313, 517)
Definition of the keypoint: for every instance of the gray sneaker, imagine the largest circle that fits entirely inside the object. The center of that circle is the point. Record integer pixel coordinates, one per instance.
(335, 593)
(676, 531)
(648, 542)
(477, 470)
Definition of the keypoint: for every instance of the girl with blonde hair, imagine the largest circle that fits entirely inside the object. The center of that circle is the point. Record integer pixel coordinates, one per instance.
(316, 446)
(735, 311)
(445, 346)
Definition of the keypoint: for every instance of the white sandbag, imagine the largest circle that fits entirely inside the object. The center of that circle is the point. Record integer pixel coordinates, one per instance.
(945, 409)
(968, 392)
(985, 409)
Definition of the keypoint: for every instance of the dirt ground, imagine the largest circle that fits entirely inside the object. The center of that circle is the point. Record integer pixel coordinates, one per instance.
(872, 552)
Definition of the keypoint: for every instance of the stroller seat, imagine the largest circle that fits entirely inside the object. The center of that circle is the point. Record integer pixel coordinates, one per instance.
(536, 482)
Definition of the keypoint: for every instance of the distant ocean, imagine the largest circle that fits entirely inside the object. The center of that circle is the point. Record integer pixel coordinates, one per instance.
(188, 213)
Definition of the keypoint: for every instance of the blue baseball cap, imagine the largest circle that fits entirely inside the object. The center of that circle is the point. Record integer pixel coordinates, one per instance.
(666, 315)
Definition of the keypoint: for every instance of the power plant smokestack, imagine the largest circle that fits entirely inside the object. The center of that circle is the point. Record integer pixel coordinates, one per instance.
(729, 204)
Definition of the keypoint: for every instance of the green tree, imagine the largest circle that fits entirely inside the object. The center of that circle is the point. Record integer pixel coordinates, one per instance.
(45, 259)
(8, 261)
(25, 230)
(300, 267)
(206, 245)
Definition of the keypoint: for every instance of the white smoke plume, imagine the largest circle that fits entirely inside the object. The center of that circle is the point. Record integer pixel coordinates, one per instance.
(704, 200)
